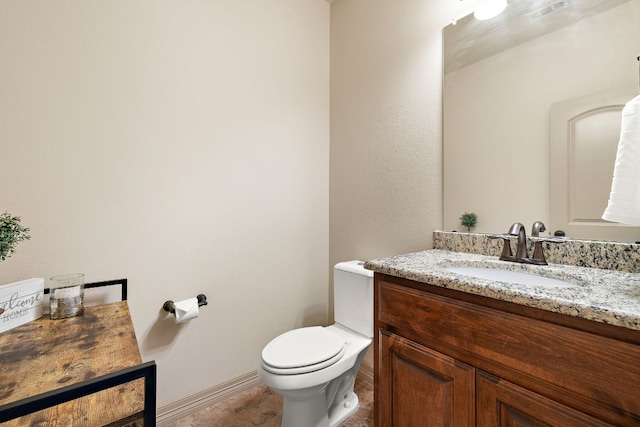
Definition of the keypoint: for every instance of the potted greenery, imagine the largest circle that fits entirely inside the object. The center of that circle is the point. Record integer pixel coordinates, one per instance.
(469, 220)
(11, 233)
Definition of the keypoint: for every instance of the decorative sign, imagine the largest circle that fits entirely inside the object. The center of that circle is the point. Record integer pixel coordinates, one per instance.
(20, 302)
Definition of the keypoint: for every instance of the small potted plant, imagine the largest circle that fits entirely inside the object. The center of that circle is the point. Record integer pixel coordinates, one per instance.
(469, 220)
(11, 233)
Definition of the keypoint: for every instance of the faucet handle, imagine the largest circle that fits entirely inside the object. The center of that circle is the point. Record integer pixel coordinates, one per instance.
(538, 253)
(506, 245)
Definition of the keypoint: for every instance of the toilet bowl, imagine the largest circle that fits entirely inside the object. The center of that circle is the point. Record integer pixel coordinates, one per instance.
(314, 368)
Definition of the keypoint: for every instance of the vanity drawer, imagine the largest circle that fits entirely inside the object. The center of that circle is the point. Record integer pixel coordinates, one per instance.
(573, 367)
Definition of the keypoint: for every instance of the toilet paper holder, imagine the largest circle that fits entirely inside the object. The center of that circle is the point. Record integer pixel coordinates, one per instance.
(171, 308)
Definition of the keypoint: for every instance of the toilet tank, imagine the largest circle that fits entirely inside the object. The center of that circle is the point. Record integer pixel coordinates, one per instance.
(353, 297)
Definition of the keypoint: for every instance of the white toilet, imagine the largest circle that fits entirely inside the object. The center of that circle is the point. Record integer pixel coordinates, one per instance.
(314, 368)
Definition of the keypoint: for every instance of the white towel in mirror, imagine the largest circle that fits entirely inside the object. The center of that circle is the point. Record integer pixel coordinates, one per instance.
(624, 200)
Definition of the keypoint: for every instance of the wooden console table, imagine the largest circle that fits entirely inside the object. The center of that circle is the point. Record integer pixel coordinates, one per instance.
(80, 371)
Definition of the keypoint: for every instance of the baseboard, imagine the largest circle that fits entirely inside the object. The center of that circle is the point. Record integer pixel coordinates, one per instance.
(365, 373)
(188, 405)
(195, 402)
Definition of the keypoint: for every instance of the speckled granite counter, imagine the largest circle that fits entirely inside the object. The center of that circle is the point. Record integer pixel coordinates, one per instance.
(618, 256)
(605, 296)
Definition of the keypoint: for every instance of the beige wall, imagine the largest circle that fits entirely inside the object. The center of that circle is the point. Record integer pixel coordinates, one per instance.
(181, 144)
(185, 145)
(385, 192)
(386, 157)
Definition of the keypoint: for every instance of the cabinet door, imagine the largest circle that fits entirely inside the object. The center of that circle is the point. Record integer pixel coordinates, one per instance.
(500, 403)
(421, 387)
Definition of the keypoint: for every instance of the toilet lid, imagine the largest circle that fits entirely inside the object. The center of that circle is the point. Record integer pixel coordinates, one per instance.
(303, 348)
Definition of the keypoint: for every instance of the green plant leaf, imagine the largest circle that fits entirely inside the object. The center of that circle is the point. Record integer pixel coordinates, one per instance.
(11, 233)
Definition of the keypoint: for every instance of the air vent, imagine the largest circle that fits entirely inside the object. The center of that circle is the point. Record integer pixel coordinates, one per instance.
(550, 8)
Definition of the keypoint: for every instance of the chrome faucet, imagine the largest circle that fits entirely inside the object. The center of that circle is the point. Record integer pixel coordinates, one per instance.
(517, 229)
(522, 254)
(538, 226)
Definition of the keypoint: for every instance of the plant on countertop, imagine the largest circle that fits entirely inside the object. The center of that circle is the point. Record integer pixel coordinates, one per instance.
(469, 220)
(11, 233)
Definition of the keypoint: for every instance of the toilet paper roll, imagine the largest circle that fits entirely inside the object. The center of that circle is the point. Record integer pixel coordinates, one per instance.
(186, 310)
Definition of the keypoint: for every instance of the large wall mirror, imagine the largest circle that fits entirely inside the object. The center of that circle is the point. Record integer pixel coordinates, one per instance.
(531, 102)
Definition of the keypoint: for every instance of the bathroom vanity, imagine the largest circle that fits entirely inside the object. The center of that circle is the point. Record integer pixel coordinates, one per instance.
(454, 350)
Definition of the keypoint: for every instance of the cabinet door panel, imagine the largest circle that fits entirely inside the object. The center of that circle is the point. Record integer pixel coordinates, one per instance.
(500, 403)
(422, 387)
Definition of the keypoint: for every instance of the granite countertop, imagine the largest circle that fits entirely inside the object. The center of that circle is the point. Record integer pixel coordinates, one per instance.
(605, 296)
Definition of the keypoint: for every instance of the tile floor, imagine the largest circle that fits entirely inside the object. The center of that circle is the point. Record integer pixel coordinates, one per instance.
(260, 406)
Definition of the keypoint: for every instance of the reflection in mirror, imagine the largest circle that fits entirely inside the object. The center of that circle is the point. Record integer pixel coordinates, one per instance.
(502, 78)
(583, 141)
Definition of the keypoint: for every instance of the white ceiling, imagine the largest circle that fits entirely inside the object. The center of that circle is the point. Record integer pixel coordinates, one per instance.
(471, 40)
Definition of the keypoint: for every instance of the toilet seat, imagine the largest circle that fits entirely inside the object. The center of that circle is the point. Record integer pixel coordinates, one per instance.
(302, 350)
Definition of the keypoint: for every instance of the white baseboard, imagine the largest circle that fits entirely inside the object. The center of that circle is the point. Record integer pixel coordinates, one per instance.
(188, 405)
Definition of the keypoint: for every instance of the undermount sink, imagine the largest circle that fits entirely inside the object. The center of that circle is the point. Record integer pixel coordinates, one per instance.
(509, 276)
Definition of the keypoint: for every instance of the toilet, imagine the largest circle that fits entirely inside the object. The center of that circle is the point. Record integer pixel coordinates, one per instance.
(314, 368)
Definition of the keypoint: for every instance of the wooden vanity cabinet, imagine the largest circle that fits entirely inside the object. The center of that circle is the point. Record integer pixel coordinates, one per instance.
(500, 403)
(413, 378)
(448, 358)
